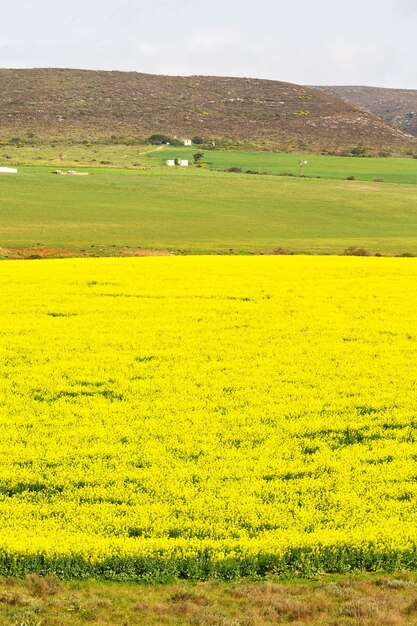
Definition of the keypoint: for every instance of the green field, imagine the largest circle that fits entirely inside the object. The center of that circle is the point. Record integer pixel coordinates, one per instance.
(362, 168)
(394, 170)
(201, 211)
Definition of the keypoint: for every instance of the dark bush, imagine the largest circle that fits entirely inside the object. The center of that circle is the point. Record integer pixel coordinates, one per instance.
(350, 178)
(234, 170)
(378, 180)
(352, 251)
(198, 141)
(198, 156)
(158, 140)
(358, 150)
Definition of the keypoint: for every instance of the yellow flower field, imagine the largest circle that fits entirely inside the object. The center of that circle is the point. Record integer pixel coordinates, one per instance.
(208, 416)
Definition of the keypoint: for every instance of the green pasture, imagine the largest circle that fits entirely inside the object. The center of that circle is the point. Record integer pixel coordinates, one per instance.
(203, 212)
(65, 155)
(394, 170)
(61, 155)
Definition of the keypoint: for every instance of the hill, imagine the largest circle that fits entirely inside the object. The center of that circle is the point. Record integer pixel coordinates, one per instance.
(60, 104)
(398, 107)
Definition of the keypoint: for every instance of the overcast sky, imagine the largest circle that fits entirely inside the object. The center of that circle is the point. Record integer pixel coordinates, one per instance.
(360, 42)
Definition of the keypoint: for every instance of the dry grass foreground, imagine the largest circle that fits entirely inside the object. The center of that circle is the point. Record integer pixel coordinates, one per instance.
(341, 601)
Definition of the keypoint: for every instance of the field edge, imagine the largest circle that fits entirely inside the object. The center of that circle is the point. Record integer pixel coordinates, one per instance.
(203, 566)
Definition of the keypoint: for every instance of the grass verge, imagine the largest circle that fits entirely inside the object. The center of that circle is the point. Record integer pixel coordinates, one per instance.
(330, 600)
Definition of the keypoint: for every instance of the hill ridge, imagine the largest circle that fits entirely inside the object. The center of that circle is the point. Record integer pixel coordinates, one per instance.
(398, 107)
(55, 103)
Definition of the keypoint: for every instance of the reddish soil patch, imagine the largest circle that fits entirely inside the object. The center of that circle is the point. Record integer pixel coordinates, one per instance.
(47, 252)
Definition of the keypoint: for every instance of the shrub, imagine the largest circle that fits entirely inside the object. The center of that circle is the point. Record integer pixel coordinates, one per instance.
(174, 142)
(378, 180)
(198, 141)
(198, 156)
(358, 150)
(350, 178)
(158, 140)
(352, 251)
(234, 170)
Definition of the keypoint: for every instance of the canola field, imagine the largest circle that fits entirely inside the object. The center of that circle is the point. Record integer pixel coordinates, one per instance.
(208, 416)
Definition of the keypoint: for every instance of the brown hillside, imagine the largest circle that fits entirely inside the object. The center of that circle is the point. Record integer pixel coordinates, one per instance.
(396, 106)
(96, 105)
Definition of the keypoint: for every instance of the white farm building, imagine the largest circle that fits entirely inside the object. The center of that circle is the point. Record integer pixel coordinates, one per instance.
(180, 162)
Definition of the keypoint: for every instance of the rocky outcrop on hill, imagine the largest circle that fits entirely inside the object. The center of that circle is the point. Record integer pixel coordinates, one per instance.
(398, 107)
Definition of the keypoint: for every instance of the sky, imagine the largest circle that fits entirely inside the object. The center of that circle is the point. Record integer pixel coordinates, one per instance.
(320, 42)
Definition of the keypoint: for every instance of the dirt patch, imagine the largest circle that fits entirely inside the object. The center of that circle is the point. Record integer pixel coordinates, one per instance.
(374, 187)
(356, 187)
(49, 252)
(141, 252)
